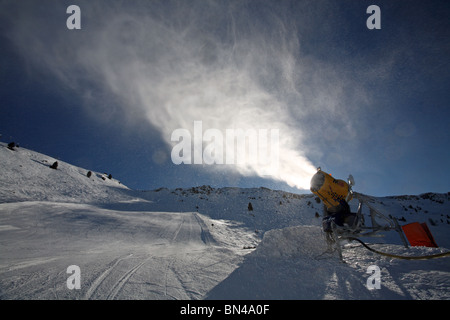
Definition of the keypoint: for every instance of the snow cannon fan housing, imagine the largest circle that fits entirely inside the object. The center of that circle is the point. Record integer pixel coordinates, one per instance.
(330, 190)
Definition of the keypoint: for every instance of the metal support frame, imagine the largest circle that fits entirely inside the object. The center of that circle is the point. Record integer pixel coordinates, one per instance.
(341, 233)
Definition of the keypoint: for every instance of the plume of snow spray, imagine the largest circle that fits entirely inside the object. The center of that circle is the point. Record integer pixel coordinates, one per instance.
(178, 63)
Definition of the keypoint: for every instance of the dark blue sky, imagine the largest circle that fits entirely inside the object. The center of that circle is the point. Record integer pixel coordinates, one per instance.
(374, 103)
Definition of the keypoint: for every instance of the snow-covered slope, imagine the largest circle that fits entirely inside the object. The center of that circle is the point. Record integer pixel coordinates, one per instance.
(197, 243)
(26, 176)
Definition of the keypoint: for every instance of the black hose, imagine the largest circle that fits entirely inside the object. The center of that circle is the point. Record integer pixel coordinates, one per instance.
(433, 256)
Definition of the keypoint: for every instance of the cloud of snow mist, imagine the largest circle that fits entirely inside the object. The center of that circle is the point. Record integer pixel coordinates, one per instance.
(231, 65)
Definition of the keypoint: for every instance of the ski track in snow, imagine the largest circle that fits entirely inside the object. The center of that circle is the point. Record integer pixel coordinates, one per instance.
(134, 258)
(93, 288)
(198, 243)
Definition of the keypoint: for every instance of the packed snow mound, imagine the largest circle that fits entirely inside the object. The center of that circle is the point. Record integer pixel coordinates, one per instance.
(294, 242)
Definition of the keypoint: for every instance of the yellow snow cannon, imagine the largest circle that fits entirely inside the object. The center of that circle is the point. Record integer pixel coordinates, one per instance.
(330, 190)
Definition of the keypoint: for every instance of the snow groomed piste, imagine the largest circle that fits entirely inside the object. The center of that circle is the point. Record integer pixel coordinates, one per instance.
(198, 243)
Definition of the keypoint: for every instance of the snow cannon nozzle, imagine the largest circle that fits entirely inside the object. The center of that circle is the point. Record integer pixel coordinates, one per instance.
(351, 180)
